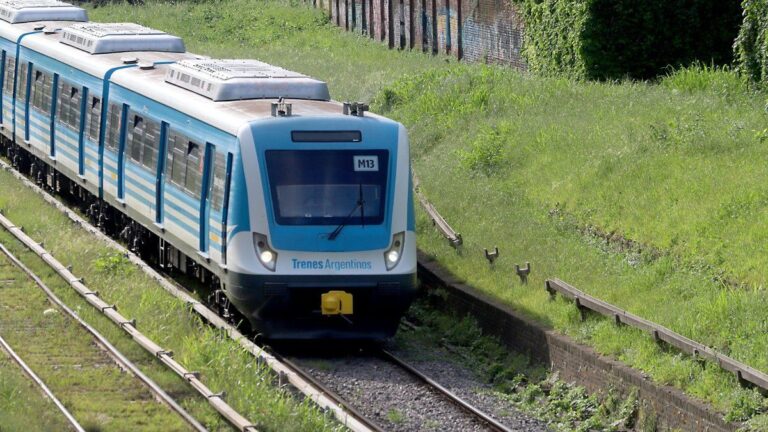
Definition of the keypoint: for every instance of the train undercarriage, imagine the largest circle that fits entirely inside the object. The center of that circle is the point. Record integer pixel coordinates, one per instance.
(116, 224)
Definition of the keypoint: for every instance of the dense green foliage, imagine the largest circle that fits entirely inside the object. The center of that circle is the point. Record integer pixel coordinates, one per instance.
(751, 47)
(610, 39)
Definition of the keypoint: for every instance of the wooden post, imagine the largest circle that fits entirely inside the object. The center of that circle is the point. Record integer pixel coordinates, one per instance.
(402, 24)
(411, 27)
(364, 17)
(424, 34)
(390, 24)
(338, 14)
(448, 27)
(382, 21)
(370, 20)
(434, 26)
(460, 31)
(346, 15)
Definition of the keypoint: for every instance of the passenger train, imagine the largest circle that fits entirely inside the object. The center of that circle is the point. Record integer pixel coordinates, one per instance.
(295, 210)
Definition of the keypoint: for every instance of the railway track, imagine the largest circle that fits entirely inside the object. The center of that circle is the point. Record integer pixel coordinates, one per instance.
(323, 395)
(118, 357)
(43, 387)
(393, 393)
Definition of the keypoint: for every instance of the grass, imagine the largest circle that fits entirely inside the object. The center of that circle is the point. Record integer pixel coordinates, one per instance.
(395, 416)
(222, 363)
(561, 174)
(92, 387)
(22, 405)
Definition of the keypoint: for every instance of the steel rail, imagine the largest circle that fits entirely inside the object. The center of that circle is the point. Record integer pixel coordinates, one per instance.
(332, 394)
(311, 391)
(119, 358)
(15, 357)
(453, 397)
(216, 400)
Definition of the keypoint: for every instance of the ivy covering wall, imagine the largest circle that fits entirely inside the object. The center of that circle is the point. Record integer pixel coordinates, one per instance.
(751, 47)
(613, 39)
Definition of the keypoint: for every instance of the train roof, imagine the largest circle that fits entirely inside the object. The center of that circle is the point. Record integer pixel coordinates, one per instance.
(228, 116)
(222, 110)
(21, 11)
(228, 80)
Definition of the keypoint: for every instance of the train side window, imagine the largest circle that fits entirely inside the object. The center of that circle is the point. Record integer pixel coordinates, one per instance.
(10, 64)
(94, 119)
(134, 142)
(151, 143)
(113, 126)
(21, 89)
(143, 140)
(194, 170)
(42, 91)
(178, 161)
(68, 110)
(219, 177)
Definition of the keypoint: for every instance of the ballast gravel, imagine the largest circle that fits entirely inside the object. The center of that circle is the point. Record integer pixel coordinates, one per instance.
(399, 402)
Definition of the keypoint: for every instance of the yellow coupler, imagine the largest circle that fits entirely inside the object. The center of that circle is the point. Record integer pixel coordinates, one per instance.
(336, 303)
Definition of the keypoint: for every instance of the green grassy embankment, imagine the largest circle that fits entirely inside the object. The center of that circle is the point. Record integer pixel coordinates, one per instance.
(543, 167)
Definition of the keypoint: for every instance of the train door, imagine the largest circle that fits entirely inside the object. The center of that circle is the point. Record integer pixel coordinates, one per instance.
(217, 207)
(205, 197)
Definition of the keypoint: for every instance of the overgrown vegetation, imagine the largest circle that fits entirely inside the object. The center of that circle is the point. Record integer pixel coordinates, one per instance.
(609, 39)
(525, 385)
(64, 355)
(22, 405)
(751, 47)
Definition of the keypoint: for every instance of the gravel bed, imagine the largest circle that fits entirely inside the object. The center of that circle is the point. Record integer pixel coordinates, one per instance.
(389, 395)
(465, 383)
(396, 401)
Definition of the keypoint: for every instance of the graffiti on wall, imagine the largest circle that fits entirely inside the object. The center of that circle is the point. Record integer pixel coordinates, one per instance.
(488, 31)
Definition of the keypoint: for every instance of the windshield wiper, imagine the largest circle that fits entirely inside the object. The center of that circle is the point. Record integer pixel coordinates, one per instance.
(361, 205)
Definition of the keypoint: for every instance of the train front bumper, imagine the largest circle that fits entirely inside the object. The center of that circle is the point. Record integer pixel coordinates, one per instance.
(291, 307)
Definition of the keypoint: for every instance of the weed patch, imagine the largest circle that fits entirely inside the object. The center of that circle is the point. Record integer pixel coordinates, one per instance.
(527, 386)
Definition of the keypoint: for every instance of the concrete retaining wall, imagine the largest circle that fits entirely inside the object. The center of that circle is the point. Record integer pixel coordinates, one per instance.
(574, 362)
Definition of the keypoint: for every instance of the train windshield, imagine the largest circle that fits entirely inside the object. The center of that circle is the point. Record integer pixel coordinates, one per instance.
(328, 187)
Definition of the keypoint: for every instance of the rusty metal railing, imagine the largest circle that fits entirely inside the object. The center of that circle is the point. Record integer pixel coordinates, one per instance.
(747, 375)
(454, 238)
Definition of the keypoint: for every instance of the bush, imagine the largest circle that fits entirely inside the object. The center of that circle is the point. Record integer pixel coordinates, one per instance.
(615, 39)
(486, 153)
(750, 47)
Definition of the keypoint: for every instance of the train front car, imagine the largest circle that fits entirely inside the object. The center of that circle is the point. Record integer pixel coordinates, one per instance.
(330, 251)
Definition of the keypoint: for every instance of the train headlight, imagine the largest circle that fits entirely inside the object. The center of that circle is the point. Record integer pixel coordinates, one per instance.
(267, 256)
(395, 252)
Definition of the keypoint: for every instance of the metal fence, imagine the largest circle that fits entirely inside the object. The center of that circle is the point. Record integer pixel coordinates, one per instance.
(488, 31)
